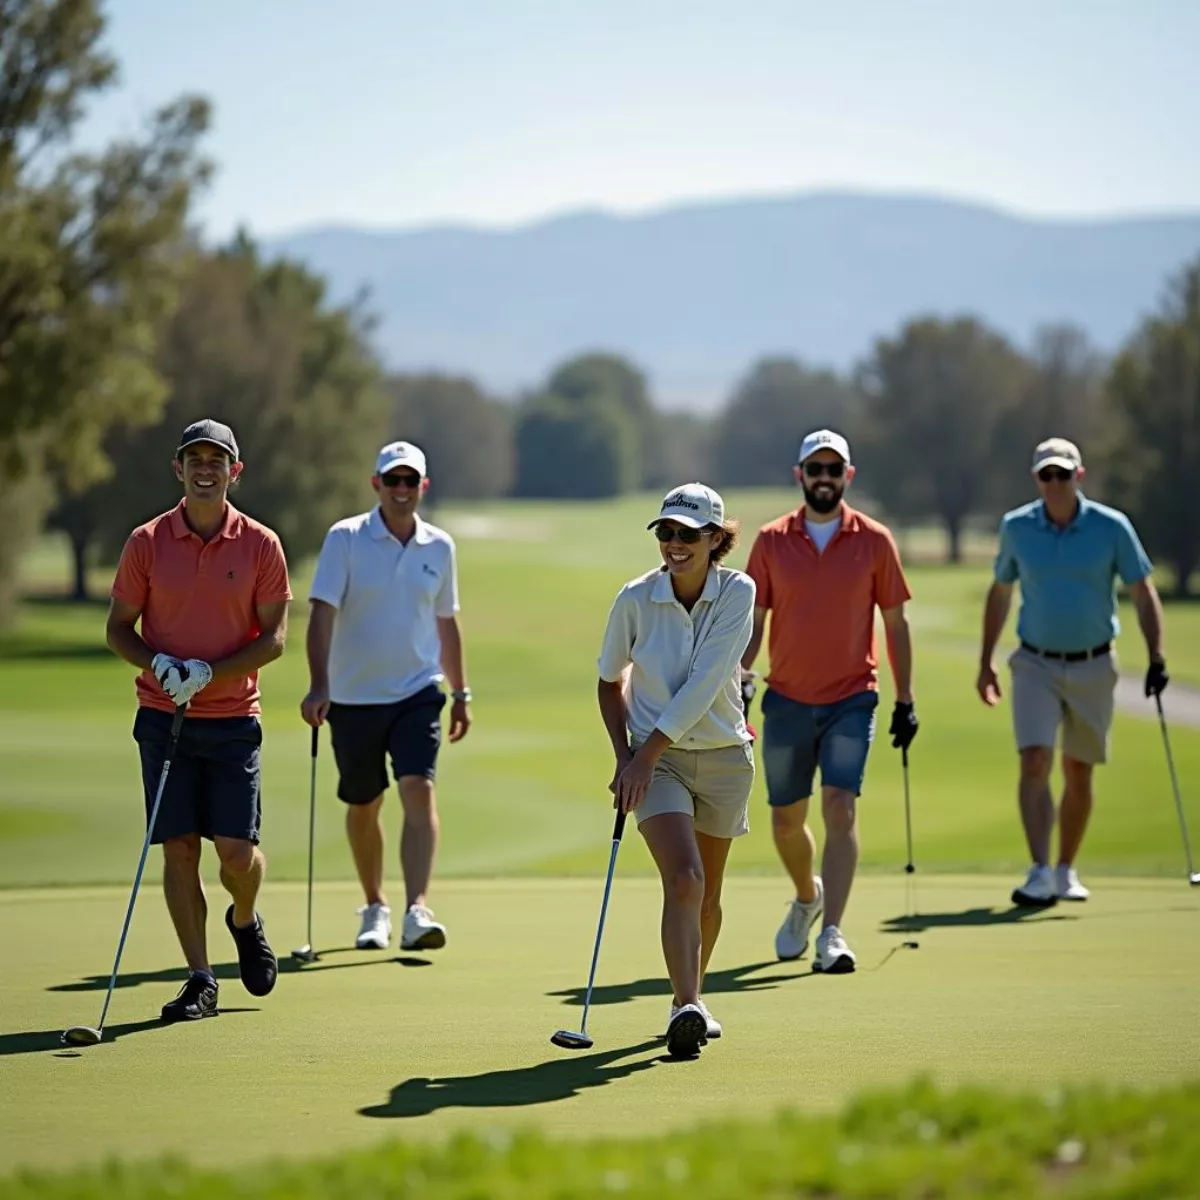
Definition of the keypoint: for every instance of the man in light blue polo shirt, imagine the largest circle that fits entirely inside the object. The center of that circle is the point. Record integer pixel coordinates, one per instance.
(1067, 552)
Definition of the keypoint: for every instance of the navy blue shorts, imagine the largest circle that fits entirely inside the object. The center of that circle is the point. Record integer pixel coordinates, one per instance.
(365, 735)
(214, 784)
(798, 738)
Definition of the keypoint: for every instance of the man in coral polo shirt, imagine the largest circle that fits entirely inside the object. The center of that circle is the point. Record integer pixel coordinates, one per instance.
(821, 572)
(210, 588)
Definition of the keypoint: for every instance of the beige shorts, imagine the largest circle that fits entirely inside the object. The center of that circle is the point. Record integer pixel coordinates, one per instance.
(1047, 692)
(710, 786)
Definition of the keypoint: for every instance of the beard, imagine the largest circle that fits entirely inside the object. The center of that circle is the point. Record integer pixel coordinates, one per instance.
(824, 498)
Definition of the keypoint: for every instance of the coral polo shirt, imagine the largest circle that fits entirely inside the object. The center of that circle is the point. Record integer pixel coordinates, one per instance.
(200, 599)
(822, 641)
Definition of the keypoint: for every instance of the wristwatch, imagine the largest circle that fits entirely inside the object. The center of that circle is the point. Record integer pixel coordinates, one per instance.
(463, 694)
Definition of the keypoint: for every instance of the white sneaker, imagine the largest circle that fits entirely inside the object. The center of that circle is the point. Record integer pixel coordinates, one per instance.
(421, 931)
(833, 956)
(376, 930)
(714, 1026)
(1067, 885)
(792, 939)
(1039, 889)
(687, 1031)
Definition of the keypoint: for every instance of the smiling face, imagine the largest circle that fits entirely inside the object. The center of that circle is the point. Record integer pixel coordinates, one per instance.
(206, 471)
(400, 491)
(823, 477)
(686, 551)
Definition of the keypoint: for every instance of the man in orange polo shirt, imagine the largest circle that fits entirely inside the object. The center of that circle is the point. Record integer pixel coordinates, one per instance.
(210, 588)
(821, 572)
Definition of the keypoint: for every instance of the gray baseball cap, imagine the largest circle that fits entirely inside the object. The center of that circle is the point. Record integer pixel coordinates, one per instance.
(212, 431)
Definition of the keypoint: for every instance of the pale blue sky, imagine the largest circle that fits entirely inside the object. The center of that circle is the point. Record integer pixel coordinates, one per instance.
(398, 114)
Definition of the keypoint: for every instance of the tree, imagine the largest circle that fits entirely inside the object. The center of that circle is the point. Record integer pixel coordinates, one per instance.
(573, 450)
(1153, 454)
(756, 437)
(467, 436)
(90, 253)
(936, 398)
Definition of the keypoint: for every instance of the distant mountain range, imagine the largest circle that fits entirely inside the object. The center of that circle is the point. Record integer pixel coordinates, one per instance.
(694, 294)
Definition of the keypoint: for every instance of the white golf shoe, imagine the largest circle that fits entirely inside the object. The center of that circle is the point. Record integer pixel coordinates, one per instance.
(376, 930)
(1067, 885)
(1039, 889)
(792, 939)
(687, 1031)
(421, 931)
(833, 956)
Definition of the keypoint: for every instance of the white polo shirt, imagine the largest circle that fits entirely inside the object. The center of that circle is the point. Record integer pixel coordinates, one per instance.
(388, 597)
(684, 679)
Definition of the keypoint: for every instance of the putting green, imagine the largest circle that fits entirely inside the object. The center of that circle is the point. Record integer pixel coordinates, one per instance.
(360, 1046)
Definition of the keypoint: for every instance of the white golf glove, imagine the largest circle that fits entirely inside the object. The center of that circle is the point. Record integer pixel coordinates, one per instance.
(162, 665)
(181, 680)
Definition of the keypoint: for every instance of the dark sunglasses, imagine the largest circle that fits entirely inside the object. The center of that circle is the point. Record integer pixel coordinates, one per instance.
(814, 470)
(687, 536)
(394, 479)
(1055, 474)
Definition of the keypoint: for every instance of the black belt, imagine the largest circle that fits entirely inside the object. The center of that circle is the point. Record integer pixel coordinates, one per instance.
(1069, 655)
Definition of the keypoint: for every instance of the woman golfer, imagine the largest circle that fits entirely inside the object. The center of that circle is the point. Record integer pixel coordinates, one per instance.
(670, 697)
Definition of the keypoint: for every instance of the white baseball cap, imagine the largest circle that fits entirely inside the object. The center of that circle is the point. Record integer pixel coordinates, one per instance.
(824, 439)
(694, 505)
(1057, 452)
(400, 454)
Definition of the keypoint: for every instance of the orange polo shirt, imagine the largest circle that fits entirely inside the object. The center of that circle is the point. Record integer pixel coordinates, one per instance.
(822, 642)
(199, 599)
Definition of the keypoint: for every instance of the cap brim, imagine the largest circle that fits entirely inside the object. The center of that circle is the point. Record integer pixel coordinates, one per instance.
(683, 519)
(1065, 463)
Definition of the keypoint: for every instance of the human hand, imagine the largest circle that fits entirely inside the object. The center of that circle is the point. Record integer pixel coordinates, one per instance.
(904, 724)
(624, 758)
(314, 708)
(988, 686)
(184, 679)
(749, 687)
(1157, 677)
(460, 720)
(633, 782)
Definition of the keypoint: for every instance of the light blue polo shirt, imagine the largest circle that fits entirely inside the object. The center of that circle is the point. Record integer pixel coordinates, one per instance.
(1067, 576)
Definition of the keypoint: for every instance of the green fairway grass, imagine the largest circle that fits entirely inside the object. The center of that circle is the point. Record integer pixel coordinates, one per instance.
(364, 1046)
(525, 793)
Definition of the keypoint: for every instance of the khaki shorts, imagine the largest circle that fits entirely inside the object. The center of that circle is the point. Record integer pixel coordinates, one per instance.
(1047, 692)
(710, 786)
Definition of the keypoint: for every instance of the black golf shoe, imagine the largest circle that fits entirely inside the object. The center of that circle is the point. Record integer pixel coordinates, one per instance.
(197, 999)
(257, 964)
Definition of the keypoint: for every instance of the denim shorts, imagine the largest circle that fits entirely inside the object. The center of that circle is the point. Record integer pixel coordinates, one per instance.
(799, 738)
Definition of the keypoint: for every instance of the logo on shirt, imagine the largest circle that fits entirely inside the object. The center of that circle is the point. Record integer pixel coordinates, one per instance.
(429, 570)
(229, 575)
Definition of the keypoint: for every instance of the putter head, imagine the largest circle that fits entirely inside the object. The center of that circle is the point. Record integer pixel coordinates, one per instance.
(80, 1035)
(1194, 878)
(305, 954)
(912, 945)
(571, 1041)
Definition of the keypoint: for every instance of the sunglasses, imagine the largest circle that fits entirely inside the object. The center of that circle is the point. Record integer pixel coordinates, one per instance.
(1055, 475)
(395, 479)
(687, 536)
(814, 470)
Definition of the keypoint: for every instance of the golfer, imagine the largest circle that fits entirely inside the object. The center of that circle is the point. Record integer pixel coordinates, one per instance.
(383, 634)
(821, 572)
(210, 589)
(669, 696)
(1066, 551)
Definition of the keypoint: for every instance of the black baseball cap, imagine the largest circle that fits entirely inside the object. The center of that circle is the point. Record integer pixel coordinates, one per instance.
(209, 431)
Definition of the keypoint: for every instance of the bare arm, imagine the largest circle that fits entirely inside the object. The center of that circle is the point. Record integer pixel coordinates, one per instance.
(123, 639)
(456, 674)
(995, 613)
(899, 644)
(1150, 616)
(610, 696)
(321, 619)
(756, 637)
(266, 648)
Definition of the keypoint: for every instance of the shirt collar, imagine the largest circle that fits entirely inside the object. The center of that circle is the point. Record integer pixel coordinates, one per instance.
(229, 526)
(849, 522)
(1044, 521)
(379, 529)
(664, 593)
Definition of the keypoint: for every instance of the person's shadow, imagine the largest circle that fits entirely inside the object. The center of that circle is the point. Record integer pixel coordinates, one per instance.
(732, 979)
(229, 970)
(40, 1040)
(973, 918)
(557, 1078)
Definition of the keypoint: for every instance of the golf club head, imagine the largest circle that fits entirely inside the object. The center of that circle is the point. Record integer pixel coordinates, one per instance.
(572, 1041)
(912, 945)
(909, 868)
(305, 954)
(80, 1035)
(1194, 879)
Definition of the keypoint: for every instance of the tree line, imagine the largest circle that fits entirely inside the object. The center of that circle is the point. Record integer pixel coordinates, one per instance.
(118, 327)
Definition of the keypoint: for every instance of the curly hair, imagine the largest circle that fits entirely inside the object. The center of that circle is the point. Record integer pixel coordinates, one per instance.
(732, 530)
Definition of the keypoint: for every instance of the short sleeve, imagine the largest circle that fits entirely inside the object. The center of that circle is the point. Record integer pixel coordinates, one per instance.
(272, 584)
(131, 584)
(446, 601)
(332, 574)
(1133, 564)
(1005, 566)
(758, 568)
(891, 588)
(617, 648)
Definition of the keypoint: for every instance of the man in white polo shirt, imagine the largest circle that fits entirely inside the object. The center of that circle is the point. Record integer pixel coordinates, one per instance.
(382, 636)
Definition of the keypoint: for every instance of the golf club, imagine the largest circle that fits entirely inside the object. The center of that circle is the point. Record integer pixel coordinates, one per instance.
(909, 868)
(1193, 876)
(306, 953)
(565, 1037)
(85, 1035)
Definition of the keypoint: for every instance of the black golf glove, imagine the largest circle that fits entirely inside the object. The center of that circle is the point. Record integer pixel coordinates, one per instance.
(1157, 678)
(904, 725)
(748, 689)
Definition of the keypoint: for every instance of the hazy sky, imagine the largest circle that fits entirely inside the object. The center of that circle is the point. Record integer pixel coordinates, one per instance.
(395, 114)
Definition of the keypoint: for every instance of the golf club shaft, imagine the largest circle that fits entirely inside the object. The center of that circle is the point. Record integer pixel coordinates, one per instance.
(618, 830)
(176, 726)
(907, 809)
(312, 825)
(1183, 829)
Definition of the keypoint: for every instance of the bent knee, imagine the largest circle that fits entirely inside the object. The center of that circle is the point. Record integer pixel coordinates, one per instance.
(1078, 774)
(182, 851)
(1036, 762)
(235, 855)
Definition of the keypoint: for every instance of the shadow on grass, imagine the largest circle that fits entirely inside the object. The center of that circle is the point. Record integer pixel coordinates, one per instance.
(973, 917)
(733, 979)
(41, 1040)
(557, 1078)
(229, 970)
